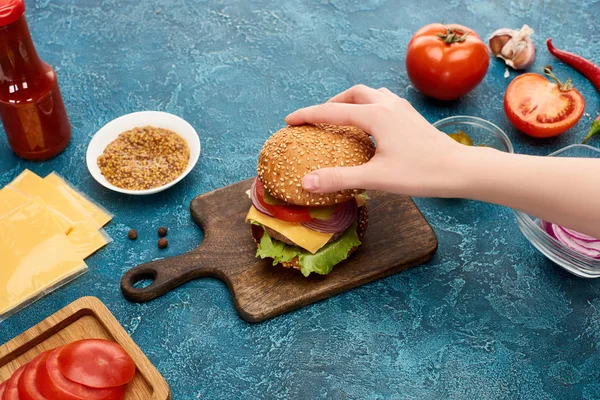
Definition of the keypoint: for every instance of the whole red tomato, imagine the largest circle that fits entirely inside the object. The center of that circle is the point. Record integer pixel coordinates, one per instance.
(446, 61)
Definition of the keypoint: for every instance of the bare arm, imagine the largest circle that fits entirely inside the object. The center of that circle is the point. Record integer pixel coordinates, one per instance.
(557, 190)
(415, 159)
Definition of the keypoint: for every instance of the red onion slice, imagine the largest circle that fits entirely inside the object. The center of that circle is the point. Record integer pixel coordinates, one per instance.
(583, 244)
(579, 236)
(339, 220)
(254, 198)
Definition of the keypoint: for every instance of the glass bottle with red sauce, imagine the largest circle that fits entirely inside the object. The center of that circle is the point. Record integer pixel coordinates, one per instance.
(31, 107)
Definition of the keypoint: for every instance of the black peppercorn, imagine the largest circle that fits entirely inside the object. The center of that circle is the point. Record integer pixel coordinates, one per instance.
(163, 243)
(132, 234)
(162, 231)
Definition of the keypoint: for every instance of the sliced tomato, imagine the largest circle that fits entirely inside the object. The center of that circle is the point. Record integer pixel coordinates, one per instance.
(11, 392)
(292, 214)
(96, 363)
(53, 385)
(295, 214)
(28, 389)
(539, 108)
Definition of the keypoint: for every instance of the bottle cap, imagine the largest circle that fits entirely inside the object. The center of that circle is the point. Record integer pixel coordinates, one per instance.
(11, 11)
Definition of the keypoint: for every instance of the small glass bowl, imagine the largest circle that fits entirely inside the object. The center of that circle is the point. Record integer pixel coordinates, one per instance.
(482, 132)
(564, 256)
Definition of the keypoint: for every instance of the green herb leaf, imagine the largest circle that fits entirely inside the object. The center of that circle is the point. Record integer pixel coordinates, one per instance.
(322, 212)
(594, 130)
(269, 199)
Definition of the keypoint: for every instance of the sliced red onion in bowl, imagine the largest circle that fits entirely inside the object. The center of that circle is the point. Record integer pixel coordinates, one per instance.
(339, 221)
(583, 244)
(579, 236)
(254, 198)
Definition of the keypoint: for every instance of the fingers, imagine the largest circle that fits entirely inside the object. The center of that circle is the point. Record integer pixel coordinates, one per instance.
(359, 115)
(359, 94)
(329, 180)
(385, 90)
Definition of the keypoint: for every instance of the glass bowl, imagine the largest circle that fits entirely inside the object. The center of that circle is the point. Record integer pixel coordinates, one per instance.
(482, 132)
(560, 254)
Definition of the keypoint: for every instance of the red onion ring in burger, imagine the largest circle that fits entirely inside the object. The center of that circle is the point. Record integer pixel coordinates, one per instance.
(339, 221)
(255, 202)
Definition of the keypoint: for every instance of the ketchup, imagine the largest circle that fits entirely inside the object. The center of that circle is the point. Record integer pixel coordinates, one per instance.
(31, 107)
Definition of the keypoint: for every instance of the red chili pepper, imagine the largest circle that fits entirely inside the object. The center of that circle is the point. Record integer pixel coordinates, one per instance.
(594, 130)
(585, 67)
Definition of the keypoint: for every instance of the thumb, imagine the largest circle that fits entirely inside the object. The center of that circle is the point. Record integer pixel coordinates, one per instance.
(334, 179)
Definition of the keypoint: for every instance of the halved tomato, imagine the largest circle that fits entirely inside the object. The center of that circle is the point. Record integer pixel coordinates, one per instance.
(541, 108)
(11, 392)
(96, 363)
(295, 214)
(54, 385)
(28, 389)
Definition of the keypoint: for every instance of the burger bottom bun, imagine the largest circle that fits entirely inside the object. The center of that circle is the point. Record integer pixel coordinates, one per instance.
(363, 222)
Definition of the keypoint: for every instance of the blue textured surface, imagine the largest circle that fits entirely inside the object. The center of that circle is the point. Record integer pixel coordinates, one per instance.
(488, 317)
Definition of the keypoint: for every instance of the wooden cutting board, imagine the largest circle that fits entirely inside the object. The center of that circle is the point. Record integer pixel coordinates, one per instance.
(85, 318)
(398, 237)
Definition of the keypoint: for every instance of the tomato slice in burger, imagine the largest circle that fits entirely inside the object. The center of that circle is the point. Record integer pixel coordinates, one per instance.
(11, 391)
(28, 389)
(53, 384)
(96, 363)
(541, 108)
(294, 214)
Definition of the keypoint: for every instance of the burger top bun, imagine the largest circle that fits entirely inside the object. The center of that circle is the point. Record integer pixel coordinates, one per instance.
(294, 151)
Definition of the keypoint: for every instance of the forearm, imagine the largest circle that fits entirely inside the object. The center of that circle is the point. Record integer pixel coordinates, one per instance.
(565, 191)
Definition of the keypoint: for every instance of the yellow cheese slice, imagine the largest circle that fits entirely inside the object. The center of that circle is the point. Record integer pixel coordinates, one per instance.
(303, 237)
(101, 216)
(87, 239)
(86, 234)
(55, 197)
(11, 199)
(36, 255)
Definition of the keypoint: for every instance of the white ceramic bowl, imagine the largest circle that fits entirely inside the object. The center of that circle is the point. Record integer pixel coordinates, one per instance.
(109, 132)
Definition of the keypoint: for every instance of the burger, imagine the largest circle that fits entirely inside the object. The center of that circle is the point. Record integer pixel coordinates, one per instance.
(311, 232)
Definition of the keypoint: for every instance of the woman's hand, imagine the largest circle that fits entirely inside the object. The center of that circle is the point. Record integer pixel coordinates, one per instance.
(412, 156)
(415, 159)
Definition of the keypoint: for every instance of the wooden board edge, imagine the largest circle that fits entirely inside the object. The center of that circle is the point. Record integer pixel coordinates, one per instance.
(87, 305)
(255, 318)
(149, 371)
(41, 332)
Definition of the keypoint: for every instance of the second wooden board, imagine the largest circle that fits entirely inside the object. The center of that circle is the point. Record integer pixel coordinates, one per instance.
(398, 237)
(85, 318)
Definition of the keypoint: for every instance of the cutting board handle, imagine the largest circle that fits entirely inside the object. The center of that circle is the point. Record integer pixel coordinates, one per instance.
(166, 274)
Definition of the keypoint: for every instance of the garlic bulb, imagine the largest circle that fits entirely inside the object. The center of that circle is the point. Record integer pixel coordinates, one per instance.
(515, 47)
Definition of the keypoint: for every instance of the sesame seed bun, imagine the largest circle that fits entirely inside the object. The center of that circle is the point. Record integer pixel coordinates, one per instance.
(363, 222)
(294, 151)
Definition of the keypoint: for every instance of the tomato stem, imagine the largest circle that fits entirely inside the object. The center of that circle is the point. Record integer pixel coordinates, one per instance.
(453, 35)
(563, 87)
